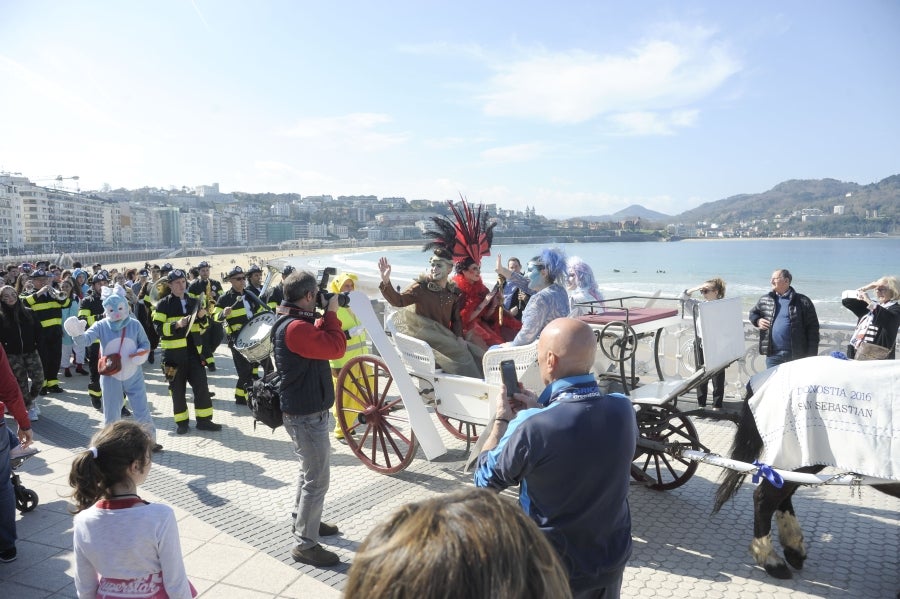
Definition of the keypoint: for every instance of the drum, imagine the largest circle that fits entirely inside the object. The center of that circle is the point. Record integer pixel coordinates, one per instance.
(253, 340)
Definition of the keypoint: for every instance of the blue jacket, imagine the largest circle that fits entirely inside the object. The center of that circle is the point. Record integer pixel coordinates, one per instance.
(573, 462)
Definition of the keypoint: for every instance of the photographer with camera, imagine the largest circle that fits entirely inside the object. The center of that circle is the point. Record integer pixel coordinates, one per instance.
(539, 442)
(302, 348)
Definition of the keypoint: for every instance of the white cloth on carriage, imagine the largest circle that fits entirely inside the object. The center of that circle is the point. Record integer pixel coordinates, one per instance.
(453, 355)
(830, 412)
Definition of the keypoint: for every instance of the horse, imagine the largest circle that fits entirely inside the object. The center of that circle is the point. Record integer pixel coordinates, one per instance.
(768, 500)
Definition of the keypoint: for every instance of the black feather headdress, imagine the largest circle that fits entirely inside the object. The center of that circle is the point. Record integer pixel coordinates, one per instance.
(467, 235)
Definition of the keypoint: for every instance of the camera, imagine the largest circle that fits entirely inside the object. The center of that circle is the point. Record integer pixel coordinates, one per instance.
(323, 296)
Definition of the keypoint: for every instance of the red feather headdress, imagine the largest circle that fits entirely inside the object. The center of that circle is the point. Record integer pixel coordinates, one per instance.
(467, 235)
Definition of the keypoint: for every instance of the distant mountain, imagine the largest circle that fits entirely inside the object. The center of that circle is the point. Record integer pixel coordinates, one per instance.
(632, 212)
(790, 196)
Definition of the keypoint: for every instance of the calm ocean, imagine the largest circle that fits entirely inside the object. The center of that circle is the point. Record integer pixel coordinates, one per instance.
(822, 268)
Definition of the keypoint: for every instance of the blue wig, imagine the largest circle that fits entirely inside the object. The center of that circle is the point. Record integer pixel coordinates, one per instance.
(554, 259)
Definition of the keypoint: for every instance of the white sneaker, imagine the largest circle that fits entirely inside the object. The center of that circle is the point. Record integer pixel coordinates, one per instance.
(20, 452)
(34, 413)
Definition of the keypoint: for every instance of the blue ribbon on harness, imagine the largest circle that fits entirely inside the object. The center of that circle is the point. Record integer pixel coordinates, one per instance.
(767, 472)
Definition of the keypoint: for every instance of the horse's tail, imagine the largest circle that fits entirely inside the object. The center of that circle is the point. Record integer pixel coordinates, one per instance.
(746, 447)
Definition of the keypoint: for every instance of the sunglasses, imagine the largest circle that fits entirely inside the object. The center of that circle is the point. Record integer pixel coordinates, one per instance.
(707, 290)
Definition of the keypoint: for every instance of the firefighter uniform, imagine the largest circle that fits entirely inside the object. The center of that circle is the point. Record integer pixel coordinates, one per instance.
(48, 310)
(90, 311)
(182, 364)
(208, 291)
(243, 309)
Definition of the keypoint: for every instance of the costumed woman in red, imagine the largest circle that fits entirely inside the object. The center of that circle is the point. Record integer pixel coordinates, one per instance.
(468, 236)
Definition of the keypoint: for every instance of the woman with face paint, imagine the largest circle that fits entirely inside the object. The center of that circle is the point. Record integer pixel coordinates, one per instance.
(549, 301)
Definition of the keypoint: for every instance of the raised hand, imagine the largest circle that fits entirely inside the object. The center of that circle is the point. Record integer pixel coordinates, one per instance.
(385, 268)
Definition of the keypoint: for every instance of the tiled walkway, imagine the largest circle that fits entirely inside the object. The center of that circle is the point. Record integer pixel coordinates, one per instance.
(233, 491)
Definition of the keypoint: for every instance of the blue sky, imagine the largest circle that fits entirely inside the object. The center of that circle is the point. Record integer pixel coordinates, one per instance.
(574, 108)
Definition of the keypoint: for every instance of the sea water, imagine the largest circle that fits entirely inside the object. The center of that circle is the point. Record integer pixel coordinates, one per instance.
(821, 268)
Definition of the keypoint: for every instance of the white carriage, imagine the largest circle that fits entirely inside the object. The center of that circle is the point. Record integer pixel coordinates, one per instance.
(382, 401)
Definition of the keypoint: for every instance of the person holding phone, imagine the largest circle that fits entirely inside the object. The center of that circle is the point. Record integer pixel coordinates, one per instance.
(538, 442)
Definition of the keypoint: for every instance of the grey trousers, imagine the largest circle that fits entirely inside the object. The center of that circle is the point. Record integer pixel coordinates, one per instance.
(312, 446)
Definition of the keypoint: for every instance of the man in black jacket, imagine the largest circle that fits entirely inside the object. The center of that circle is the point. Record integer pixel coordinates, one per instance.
(787, 322)
(302, 350)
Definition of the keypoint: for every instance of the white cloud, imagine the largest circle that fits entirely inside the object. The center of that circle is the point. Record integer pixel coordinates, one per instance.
(652, 123)
(513, 153)
(355, 131)
(577, 86)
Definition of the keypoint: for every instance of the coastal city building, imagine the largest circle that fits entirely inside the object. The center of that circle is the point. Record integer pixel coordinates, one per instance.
(49, 217)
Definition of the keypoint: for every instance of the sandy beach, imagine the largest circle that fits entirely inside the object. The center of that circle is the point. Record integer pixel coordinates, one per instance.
(220, 264)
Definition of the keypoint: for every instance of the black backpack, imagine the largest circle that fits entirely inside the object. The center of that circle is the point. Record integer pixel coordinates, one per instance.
(265, 401)
(263, 397)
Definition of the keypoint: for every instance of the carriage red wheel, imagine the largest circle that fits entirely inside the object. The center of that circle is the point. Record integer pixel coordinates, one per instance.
(618, 341)
(372, 416)
(465, 431)
(667, 425)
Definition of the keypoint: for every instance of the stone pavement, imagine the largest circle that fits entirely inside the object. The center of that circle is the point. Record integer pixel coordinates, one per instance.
(233, 493)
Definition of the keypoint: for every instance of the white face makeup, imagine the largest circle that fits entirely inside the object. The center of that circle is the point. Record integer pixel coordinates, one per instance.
(440, 269)
(535, 274)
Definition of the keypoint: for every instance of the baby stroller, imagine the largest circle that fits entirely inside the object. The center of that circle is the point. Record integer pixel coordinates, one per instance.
(26, 499)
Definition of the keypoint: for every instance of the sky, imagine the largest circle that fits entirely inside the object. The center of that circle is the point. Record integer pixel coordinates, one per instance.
(573, 108)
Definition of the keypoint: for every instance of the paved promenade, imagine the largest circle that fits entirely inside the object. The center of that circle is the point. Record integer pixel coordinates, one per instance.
(233, 490)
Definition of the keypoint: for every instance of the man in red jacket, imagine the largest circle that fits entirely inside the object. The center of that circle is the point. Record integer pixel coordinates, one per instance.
(10, 399)
(303, 345)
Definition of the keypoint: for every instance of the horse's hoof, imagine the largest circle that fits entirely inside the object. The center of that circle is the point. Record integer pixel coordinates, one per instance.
(779, 571)
(794, 558)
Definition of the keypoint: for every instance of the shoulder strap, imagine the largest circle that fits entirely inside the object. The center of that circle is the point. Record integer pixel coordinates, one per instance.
(278, 322)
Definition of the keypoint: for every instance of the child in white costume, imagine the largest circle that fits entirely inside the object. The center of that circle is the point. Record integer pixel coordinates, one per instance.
(133, 347)
(124, 546)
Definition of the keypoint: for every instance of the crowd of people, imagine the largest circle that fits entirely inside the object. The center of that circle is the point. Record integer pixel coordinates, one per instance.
(571, 540)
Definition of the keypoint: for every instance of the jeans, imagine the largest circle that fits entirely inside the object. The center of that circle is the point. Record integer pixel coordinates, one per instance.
(7, 495)
(779, 357)
(312, 447)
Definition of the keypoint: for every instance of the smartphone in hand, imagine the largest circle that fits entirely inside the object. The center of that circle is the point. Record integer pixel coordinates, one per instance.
(510, 380)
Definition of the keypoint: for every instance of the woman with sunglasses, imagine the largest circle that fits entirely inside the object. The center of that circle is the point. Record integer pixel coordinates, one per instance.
(713, 289)
(549, 301)
(878, 318)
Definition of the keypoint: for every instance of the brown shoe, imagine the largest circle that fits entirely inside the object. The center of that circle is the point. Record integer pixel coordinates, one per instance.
(315, 556)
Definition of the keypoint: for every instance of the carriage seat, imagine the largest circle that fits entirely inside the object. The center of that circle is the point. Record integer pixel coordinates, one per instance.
(720, 324)
(525, 357)
(417, 355)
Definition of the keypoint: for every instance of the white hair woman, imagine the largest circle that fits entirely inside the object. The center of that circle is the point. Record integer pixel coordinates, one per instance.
(878, 319)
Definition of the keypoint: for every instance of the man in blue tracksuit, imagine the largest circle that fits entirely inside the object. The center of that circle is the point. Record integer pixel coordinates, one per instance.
(570, 450)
